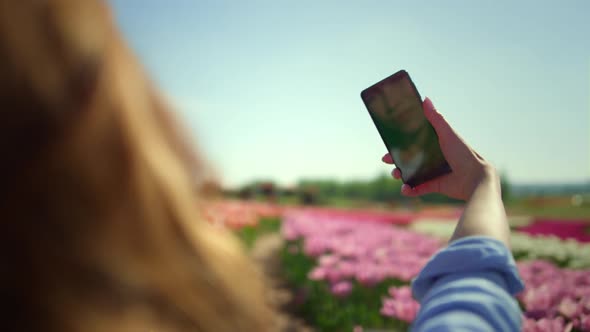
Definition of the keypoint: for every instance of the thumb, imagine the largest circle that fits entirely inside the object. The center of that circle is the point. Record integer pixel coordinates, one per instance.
(436, 119)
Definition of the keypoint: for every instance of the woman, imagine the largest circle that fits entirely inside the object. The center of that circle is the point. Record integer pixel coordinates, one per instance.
(100, 229)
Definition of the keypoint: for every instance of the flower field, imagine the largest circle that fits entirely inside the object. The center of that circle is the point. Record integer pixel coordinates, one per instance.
(351, 269)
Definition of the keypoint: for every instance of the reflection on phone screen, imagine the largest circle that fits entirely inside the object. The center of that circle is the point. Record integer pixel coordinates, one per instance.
(396, 109)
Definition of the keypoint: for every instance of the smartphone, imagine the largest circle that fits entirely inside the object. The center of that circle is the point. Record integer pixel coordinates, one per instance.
(395, 106)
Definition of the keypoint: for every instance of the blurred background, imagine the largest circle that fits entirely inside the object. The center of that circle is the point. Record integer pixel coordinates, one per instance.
(270, 91)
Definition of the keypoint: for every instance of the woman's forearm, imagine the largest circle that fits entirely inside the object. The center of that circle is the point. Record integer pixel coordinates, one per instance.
(484, 212)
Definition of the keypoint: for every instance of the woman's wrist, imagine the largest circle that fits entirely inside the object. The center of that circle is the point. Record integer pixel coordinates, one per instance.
(484, 212)
(486, 175)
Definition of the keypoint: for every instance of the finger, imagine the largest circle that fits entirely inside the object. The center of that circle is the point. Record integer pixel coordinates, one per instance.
(478, 155)
(387, 159)
(407, 190)
(429, 187)
(397, 174)
(440, 124)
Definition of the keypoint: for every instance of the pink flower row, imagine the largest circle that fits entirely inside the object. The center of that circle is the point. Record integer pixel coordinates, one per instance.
(347, 249)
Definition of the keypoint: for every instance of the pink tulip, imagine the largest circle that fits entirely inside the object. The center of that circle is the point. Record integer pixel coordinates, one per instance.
(405, 310)
(366, 278)
(401, 305)
(341, 288)
(544, 325)
(314, 246)
(318, 273)
(569, 308)
(403, 292)
(346, 269)
(333, 275)
(538, 299)
(328, 260)
(387, 311)
(289, 233)
(582, 291)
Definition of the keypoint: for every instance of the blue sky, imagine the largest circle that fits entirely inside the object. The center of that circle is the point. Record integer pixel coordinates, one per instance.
(270, 89)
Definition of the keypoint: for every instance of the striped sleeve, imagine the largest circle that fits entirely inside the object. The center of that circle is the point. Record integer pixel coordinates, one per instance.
(469, 286)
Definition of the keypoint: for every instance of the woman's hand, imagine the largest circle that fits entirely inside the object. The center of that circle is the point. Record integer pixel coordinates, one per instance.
(468, 167)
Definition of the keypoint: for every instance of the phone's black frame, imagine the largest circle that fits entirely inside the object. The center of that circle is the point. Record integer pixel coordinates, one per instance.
(443, 169)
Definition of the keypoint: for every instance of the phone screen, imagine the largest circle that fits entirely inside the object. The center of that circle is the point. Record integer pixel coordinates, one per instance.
(396, 109)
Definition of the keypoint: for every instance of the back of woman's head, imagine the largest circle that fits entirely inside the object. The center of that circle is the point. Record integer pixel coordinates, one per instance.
(99, 226)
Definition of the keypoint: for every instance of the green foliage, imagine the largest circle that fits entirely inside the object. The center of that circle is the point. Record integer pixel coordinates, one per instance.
(382, 188)
(439, 199)
(249, 234)
(506, 187)
(519, 206)
(324, 311)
